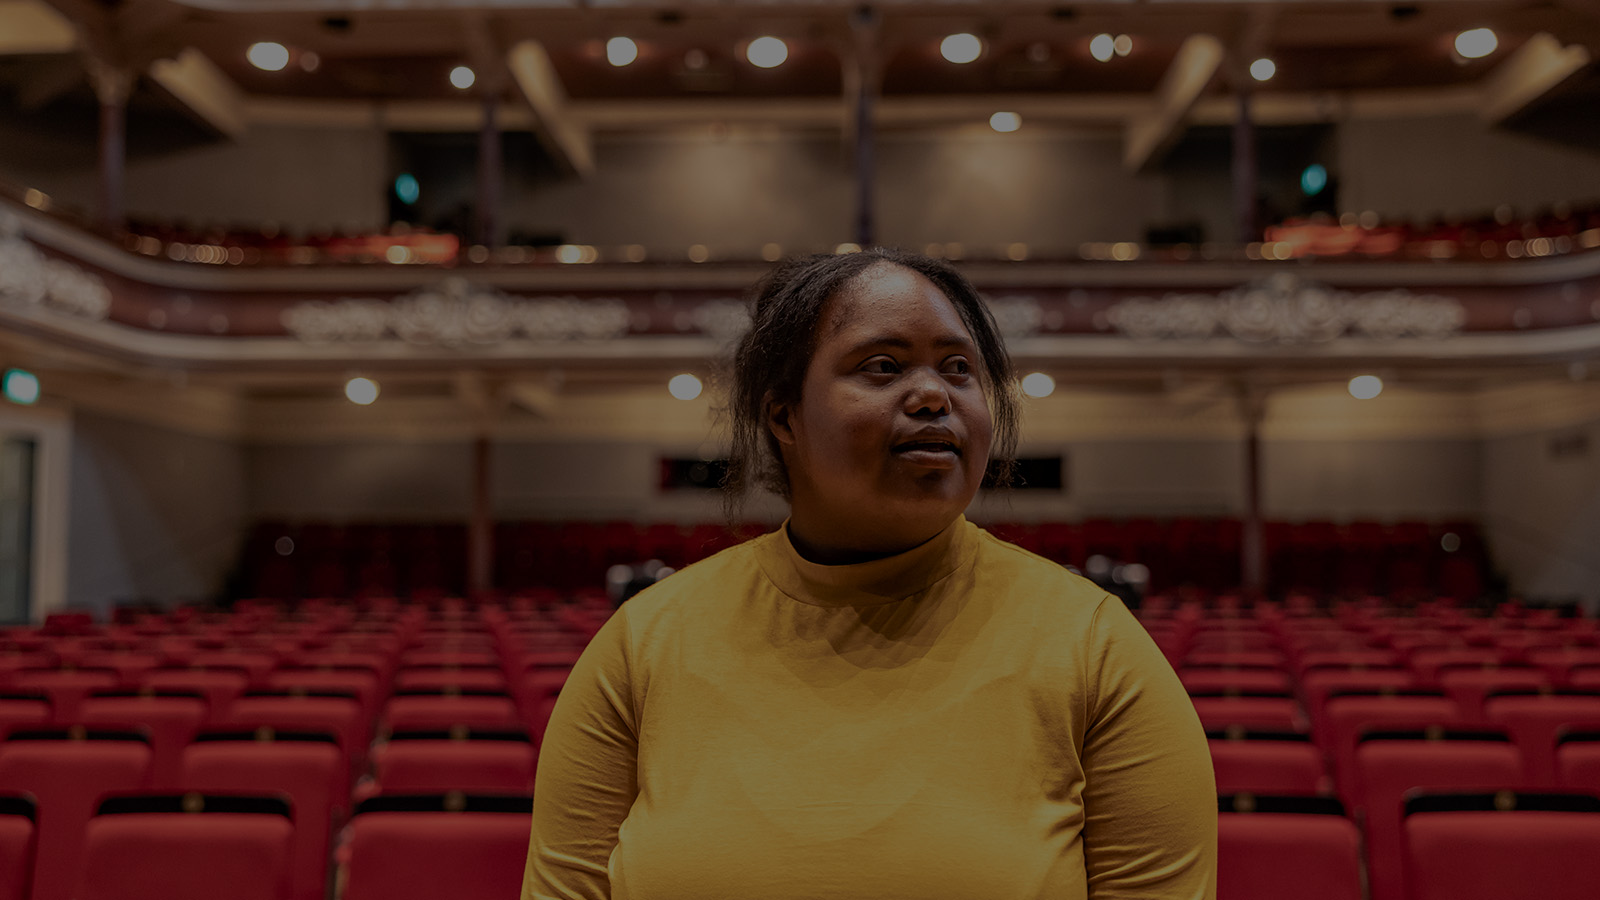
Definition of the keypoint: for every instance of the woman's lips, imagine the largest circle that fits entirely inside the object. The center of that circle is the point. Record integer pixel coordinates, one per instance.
(928, 455)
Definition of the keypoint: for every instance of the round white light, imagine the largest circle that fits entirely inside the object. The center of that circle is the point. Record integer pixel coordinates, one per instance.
(961, 48)
(269, 55)
(767, 52)
(569, 253)
(1476, 43)
(684, 387)
(1038, 384)
(620, 51)
(1005, 122)
(1365, 387)
(463, 77)
(1263, 69)
(1122, 45)
(1450, 543)
(1103, 47)
(361, 390)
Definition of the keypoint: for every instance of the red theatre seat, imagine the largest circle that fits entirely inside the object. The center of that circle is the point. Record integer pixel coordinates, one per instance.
(309, 768)
(1264, 711)
(68, 776)
(169, 720)
(188, 847)
(441, 712)
(420, 848)
(1267, 763)
(17, 816)
(1535, 723)
(436, 762)
(1271, 848)
(1349, 715)
(1578, 761)
(66, 688)
(1394, 763)
(1497, 846)
(23, 711)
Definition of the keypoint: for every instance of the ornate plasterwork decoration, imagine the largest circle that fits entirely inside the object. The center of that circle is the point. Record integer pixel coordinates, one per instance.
(29, 278)
(455, 313)
(1283, 309)
(1016, 316)
(725, 320)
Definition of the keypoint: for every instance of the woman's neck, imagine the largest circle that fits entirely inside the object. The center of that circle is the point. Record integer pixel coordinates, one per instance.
(813, 547)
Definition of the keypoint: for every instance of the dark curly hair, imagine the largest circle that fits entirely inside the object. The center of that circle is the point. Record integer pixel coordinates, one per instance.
(770, 362)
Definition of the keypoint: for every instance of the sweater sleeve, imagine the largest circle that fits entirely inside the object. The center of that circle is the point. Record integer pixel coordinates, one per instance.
(1149, 797)
(587, 776)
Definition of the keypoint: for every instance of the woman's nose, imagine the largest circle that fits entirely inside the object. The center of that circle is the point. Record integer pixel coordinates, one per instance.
(927, 394)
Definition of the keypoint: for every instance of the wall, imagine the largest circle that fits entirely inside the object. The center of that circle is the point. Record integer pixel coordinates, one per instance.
(154, 514)
(1455, 164)
(1542, 511)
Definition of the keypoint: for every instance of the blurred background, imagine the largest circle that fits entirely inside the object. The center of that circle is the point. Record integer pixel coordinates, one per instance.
(395, 328)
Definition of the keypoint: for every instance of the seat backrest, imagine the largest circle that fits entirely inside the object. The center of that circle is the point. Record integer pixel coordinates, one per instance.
(220, 687)
(17, 832)
(1220, 678)
(437, 712)
(1266, 712)
(68, 777)
(1468, 686)
(437, 678)
(170, 721)
(1349, 715)
(1535, 721)
(461, 847)
(23, 711)
(1319, 684)
(1267, 763)
(1391, 764)
(1300, 848)
(363, 683)
(189, 847)
(66, 688)
(309, 768)
(1578, 761)
(337, 713)
(1492, 846)
(436, 763)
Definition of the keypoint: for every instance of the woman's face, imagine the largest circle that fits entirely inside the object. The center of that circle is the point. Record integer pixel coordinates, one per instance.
(891, 436)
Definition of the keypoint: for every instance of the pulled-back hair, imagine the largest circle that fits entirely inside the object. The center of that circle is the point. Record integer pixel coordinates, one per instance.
(770, 362)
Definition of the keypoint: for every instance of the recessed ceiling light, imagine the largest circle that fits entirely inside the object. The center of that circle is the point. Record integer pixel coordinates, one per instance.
(621, 51)
(1263, 69)
(1005, 122)
(961, 48)
(767, 52)
(463, 77)
(269, 56)
(1476, 43)
(1103, 47)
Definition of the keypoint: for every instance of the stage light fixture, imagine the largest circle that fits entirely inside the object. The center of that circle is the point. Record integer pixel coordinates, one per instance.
(361, 391)
(1005, 122)
(463, 77)
(1103, 47)
(1263, 69)
(21, 386)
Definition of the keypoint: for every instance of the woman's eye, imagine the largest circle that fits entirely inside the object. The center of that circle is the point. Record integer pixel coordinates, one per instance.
(958, 367)
(881, 366)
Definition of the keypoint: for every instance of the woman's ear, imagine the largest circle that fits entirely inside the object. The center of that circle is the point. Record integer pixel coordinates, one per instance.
(778, 422)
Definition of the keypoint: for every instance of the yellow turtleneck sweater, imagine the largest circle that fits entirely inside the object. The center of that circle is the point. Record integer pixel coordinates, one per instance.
(963, 721)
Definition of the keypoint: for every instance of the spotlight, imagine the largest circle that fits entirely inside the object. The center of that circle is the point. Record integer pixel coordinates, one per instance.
(684, 387)
(1038, 384)
(361, 391)
(1476, 43)
(20, 386)
(1103, 47)
(621, 51)
(463, 77)
(767, 52)
(961, 48)
(270, 56)
(1005, 122)
(1263, 69)
(1365, 387)
(1122, 45)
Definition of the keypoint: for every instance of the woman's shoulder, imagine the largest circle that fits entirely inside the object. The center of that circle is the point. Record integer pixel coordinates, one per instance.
(722, 576)
(1051, 577)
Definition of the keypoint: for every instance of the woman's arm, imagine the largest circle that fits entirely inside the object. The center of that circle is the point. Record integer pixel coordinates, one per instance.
(1149, 797)
(587, 776)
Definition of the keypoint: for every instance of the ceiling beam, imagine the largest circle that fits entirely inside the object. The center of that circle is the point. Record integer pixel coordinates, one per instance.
(1538, 66)
(1150, 135)
(31, 27)
(205, 90)
(568, 142)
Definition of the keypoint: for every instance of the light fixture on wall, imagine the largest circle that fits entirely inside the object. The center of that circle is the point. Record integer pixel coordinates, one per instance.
(1366, 387)
(1476, 43)
(621, 51)
(1038, 384)
(961, 48)
(684, 386)
(463, 77)
(269, 56)
(767, 52)
(1103, 47)
(20, 386)
(361, 391)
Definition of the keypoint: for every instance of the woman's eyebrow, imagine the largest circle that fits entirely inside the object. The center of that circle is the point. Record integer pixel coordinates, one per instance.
(901, 343)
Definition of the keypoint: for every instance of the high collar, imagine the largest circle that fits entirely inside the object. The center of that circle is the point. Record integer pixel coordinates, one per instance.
(870, 583)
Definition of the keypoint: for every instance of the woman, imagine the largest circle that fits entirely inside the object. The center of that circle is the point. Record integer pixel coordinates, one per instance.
(879, 700)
